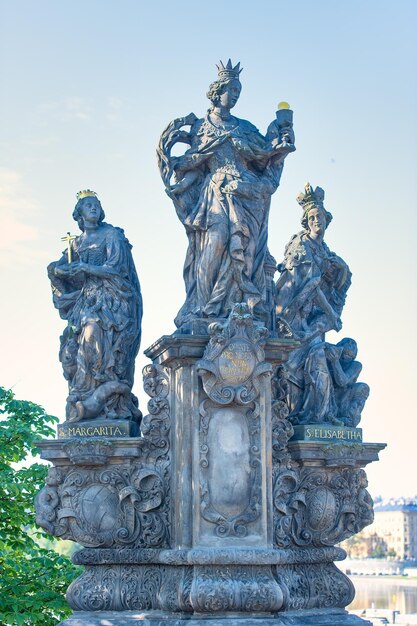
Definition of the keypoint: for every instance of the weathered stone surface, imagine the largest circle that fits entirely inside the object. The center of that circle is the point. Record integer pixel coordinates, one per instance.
(208, 556)
(225, 509)
(209, 437)
(159, 618)
(112, 492)
(132, 587)
(322, 454)
(234, 447)
(246, 589)
(322, 385)
(169, 348)
(88, 429)
(96, 289)
(233, 363)
(315, 586)
(221, 189)
(319, 506)
(105, 507)
(314, 432)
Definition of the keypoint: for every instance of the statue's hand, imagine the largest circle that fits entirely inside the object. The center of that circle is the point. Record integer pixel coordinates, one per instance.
(61, 270)
(190, 119)
(70, 269)
(333, 353)
(337, 322)
(80, 267)
(282, 149)
(287, 135)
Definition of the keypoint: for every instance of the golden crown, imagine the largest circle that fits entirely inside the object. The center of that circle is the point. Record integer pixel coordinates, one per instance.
(311, 197)
(226, 72)
(86, 193)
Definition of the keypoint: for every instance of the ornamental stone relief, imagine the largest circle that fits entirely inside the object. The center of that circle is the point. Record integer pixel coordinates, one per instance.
(117, 505)
(230, 474)
(320, 507)
(234, 360)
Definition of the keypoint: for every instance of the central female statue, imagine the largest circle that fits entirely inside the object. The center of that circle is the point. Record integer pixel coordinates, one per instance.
(221, 188)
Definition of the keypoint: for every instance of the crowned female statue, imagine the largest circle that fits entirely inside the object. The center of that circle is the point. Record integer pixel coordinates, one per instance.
(221, 189)
(96, 289)
(310, 296)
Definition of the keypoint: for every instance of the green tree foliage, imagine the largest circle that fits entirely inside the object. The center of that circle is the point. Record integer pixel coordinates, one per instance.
(33, 580)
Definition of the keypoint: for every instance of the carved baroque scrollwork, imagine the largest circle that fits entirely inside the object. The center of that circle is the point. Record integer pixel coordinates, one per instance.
(203, 589)
(112, 506)
(320, 507)
(88, 451)
(232, 588)
(155, 426)
(234, 360)
(282, 429)
(231, 370)
(316, 586)
(174, 593)
(116, 588)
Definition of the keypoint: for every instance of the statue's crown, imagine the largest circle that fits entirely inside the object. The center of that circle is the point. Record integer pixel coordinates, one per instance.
(311, 197)
(85, 193)
(227, 72)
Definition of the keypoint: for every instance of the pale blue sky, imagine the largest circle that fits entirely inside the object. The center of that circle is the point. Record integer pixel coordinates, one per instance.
(88, 86)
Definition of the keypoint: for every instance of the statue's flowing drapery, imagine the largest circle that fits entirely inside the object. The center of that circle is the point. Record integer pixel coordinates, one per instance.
(223, 193)
(104, 312)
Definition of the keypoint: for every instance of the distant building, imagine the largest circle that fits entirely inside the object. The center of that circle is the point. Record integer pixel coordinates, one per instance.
(392, 534)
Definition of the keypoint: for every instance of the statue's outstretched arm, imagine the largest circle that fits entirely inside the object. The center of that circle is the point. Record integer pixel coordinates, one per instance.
(172, 135)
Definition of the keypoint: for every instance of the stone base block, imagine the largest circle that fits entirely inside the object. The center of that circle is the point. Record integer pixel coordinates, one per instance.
(210, 582)
(157, 618)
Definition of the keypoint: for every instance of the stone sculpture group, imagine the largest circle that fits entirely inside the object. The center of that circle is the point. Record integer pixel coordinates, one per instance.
(224, 504)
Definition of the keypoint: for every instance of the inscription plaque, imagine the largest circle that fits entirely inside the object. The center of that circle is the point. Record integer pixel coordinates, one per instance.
(325, 433)
(89, 429)
(237, 362)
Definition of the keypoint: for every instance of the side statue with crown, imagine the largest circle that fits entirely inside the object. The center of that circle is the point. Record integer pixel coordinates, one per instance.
(221, 189)
(310, 295)
(96, 290)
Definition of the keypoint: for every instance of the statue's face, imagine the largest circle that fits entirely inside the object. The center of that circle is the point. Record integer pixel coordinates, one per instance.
(231, 94)
(90, 210)
(316, 222)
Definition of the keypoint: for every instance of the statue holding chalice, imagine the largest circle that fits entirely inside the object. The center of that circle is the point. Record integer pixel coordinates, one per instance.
(221, 189)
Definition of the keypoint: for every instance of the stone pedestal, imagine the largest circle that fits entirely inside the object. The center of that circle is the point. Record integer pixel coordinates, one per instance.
(324, 617)
(213, 515)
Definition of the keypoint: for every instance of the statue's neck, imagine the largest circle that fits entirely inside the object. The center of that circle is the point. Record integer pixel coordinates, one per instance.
(315, 238)
(90, 230)
(222, 113)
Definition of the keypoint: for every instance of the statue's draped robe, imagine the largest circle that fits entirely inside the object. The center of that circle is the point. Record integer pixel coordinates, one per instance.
(228, 177)
(104, 315)
(310, 275)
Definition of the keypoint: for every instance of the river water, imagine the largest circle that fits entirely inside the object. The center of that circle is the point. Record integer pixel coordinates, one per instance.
(384, 593)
